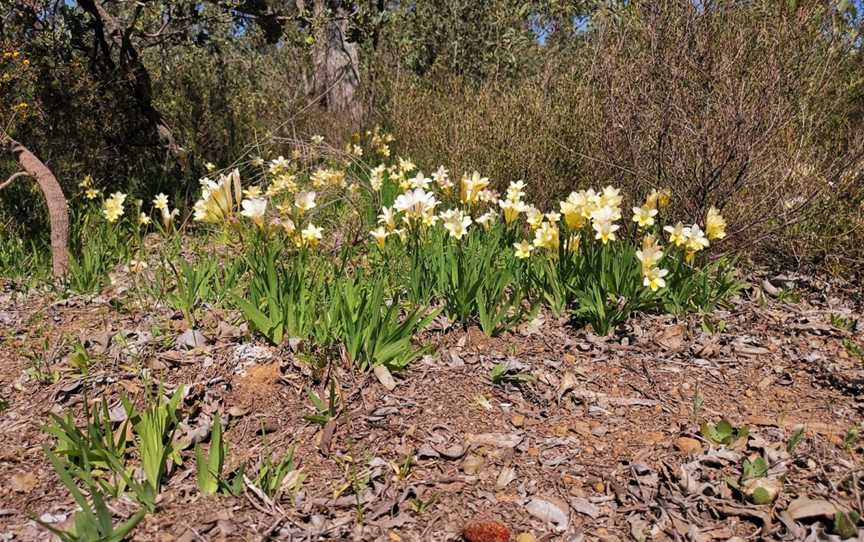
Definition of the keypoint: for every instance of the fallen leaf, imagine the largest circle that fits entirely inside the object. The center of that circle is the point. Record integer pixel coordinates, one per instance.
(550, 510)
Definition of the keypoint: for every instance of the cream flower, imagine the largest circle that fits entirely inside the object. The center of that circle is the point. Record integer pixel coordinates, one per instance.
(416, 205)
(442, 178)
(516, 191)
(143, 219)
(654, 278)
(523, 249)
(487, 219)
(605, 231)
(91, 193)
(305, 200)
(546, 236)
(715, 224)
(380, 236)
(254, 209)
(696, 239)
(533, 216)
(160, 202)
(376, 177)
(471, 186)
(388, 218)
(678, 234)
(511, 209)
(420, 181)
(644, 216)
(113, 207)
(311, 235)
(456, 222)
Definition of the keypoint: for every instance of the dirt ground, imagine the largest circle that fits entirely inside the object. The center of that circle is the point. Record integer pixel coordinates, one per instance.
(602, 442)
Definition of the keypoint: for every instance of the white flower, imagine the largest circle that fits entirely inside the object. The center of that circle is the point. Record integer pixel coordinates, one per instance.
(416, 204)
(420, 181)
(254, 209)
(161, 202)
(442, 178)
(456, 222)
(305, 200)
(311, 234)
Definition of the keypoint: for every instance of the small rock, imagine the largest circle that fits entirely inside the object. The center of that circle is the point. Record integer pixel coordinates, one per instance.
(382, 373)
(600, 430)
(550, 510)
(472, 464)
(526, 537)
(486, 531)
(518, 420)
(687, 445)
(191, 338)
(23, 483)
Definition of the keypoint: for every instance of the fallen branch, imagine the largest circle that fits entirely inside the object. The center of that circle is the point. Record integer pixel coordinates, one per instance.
(58, 211)
(14, 176)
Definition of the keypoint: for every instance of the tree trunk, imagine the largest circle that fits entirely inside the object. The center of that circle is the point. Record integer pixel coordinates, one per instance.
(58, 212)
(336, 61)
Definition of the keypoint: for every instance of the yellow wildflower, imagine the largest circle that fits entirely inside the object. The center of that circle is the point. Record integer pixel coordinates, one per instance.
(113, 207)
(523, 249)
(644, 216)
(311, 235)
(715, 224)
(380, 236)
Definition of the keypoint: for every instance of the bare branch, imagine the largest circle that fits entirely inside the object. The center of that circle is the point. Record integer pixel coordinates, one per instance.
(14, 176)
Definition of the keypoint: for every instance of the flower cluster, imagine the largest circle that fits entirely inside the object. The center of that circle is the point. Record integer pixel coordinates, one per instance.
(218, 198)
(693, 239)
(649, 256)
(113, 207)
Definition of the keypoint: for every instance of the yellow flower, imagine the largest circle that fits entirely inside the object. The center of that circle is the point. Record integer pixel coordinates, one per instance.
(316, 139)
(715, 224)
(376, 177)
(253, 192)
(254, 209)
(511, 209)
(86, 182)
(533, 216)
(217, 198)
(611, 197)
(210, 167)
(546, 236)
(644, 216)
(284, 182)
(650, 255)
(442, 179)
(456, 222)
(572, 208)
(388, 218)
(137, 266)
(658, 199)
(305, 201)
(696, 239)
(523, 249)
(380, 236)
(654, 278)
(279, 165)
(311, 235)
(160, 202)
(471, 186)
(91, 193)
(487, 219)
(516, 191)
(605, 231)
(573, 242)
(677, 234)
(143, 219)
(113, 207)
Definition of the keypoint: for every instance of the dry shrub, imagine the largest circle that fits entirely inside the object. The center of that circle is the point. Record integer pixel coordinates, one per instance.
(748, 106)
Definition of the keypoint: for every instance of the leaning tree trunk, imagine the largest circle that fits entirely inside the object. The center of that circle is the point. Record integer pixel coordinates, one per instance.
(58, 212)
(336, 61)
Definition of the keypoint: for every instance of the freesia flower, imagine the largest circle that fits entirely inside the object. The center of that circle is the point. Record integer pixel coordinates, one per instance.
(487, 219)
(572, 209)
(420, 181)
(533, 216)
(160, 202)
(715, 224)
(284, 182)
(406, 166)
(546, 236)
(416, 205)
(605, 214)
(217, 198)
(511, 209)
(605, 231)
(143, 219)
(316, 139)
(650, 254)
(257, 161)
(380, 236)
(611, 197)
(252, 192)
(311, 235)
(573, 242)
(471, 186)
(523, 249)
(254, 209)
(553, 217)
(696, 239)
(516, 191)
(113, 207)
(388, 218)
(91, 193)
(456, 222)
(678, 234)
(442, 179)
(210, 166)
(654, 278)
(137, 266)
(644, 216)
(305, 201)
(376, 177)
(279, 165)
